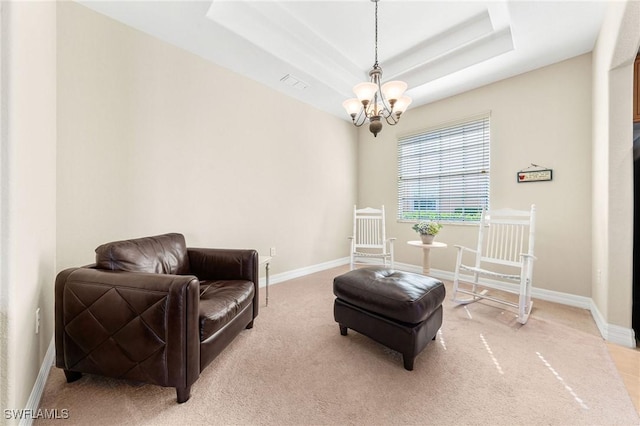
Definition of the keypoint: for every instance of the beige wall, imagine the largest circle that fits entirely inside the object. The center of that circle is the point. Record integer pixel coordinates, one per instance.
(613, 162)
(28, 192)
(153, 139)
(541, 117)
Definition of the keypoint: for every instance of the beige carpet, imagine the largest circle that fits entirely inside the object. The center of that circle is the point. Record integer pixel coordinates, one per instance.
(294, 367)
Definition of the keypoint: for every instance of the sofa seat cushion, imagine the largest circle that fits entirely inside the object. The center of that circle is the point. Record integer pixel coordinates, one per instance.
(220, 302)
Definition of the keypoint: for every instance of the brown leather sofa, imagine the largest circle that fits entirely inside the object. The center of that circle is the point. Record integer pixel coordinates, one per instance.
(153, 310)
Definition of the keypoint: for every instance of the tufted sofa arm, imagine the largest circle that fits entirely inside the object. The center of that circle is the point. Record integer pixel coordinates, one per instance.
(137, 326)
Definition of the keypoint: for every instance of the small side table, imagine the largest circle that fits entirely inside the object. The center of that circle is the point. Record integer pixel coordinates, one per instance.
(426, 251)
(266, 261)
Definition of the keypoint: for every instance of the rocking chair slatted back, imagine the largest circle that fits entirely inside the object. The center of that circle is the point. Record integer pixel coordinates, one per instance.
(504, 235)
(368, 228)
(369, 239)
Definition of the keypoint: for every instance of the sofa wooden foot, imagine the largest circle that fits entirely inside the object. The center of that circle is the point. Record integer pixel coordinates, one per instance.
(183, 394)
(343, 330)
(249, 326)
(72, 376)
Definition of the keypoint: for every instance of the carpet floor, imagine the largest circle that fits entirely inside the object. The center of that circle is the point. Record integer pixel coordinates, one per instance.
(295, 368)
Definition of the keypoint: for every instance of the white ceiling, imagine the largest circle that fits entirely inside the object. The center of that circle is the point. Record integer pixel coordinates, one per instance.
(440, 48)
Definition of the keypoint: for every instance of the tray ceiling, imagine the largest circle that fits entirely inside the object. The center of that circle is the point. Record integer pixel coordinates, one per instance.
(316, 51)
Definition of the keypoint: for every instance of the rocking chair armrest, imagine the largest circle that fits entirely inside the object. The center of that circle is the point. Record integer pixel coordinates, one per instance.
(463, 248)
(390, 242)
(530, 256)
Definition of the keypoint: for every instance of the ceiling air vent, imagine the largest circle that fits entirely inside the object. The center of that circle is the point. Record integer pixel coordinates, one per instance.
(294, 82)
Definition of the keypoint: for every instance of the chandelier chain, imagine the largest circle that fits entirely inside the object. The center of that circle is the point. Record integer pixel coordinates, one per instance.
(376, 32)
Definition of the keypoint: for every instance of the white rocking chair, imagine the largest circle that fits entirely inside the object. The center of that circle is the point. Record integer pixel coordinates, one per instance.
(369, 238)
(502, 237)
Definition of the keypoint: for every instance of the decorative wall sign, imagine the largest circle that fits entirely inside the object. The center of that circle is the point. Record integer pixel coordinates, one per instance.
(538, 175)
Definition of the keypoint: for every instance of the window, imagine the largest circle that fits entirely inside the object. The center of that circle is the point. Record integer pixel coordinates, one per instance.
(443, 174)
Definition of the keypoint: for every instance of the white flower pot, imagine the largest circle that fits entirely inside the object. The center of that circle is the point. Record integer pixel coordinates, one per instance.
(427, 238)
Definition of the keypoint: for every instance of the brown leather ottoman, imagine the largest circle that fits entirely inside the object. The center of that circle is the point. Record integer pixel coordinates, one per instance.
(401, 310)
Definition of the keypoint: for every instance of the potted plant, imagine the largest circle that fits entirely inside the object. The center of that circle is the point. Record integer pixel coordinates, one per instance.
(427, 229)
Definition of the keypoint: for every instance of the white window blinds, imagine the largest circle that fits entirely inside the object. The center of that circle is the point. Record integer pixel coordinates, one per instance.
(443, 174)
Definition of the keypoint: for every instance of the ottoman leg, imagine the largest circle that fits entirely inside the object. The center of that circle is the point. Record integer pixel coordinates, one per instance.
(343, 330)
(408, 362)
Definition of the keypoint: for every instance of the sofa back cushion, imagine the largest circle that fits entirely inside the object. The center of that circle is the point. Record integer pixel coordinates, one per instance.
(162, 254)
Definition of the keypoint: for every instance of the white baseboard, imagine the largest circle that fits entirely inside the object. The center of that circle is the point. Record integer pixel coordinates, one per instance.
(301, 272)
(38, 387)
(613, 333)
(538, 293)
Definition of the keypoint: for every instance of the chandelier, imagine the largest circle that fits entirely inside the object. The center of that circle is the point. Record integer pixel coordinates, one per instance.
(375, 100)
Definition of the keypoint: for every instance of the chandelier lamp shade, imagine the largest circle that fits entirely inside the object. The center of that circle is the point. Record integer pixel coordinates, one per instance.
(376, 101)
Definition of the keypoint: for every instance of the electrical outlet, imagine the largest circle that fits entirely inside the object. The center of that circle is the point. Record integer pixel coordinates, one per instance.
(37, 320)
(272, 251)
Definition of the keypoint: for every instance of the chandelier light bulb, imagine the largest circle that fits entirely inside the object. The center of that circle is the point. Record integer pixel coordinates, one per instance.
(352, 106)
(365, 91)
(392, 90)
(402, 104)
